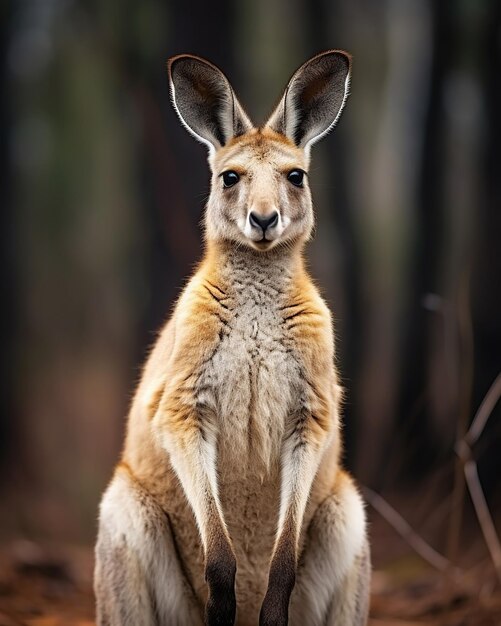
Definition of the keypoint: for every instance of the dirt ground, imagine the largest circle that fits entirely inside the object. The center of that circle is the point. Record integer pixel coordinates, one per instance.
(51, 586)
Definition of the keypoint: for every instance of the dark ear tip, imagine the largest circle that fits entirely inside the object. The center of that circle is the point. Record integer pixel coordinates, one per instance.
(348, 58)
(191, 58)
(172, 61)
(340, 55)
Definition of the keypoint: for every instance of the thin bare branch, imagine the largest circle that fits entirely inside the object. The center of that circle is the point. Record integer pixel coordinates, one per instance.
(402, 527)
(484, 412)
(465, 329)
(463, 450)
(483, 514)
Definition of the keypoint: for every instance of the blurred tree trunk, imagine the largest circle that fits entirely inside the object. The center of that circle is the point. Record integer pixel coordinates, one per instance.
(414, 423)
(7, 267)
(76, 221)
(388, 99)
(486, 271)
(336, 256)
(174, 165)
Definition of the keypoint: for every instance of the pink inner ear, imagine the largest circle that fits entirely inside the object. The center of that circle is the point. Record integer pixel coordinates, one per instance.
(314, 88)
(313, 98)
(201, 87)
(205, 102)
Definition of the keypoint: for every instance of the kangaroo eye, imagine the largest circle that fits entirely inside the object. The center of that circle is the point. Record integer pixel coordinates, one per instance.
(230, 178)
(296, 177)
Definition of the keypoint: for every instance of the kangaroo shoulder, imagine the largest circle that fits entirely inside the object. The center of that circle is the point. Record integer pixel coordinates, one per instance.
(308, 312)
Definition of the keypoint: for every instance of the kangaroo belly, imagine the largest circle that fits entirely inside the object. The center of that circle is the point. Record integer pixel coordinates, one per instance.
(250, 506)
(254, 380)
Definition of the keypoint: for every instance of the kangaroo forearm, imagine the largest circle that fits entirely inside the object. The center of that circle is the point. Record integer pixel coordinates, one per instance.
(303, 448)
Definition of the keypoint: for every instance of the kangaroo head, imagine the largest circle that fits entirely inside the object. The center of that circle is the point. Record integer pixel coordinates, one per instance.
(259, 191)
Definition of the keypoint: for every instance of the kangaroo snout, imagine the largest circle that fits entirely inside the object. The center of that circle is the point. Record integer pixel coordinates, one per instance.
(258, 220)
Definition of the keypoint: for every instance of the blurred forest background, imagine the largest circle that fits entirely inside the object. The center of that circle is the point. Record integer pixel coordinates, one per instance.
(102, 193)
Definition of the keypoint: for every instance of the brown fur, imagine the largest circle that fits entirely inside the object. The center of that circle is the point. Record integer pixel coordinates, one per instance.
(234, 431)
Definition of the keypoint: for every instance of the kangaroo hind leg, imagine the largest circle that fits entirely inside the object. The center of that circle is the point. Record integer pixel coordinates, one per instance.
(138, 580)
(333, 579)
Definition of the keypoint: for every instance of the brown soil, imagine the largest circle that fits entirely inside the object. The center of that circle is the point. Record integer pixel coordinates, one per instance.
(51, 586)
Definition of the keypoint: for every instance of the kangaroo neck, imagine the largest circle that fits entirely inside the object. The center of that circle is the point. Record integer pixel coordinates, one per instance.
(250, 273)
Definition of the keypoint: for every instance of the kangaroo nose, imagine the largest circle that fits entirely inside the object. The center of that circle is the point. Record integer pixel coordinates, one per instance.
(263, 221)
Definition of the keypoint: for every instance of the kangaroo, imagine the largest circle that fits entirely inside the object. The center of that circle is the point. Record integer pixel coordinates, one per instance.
(229, 504)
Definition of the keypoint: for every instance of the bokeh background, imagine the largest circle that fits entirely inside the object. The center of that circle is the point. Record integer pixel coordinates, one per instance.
(102, 193)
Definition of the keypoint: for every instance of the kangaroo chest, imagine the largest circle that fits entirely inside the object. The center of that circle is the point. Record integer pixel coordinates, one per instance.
(253, 378)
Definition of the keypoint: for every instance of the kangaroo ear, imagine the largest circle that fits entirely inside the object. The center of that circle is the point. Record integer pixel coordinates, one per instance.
(205, 101)
(313, 99)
